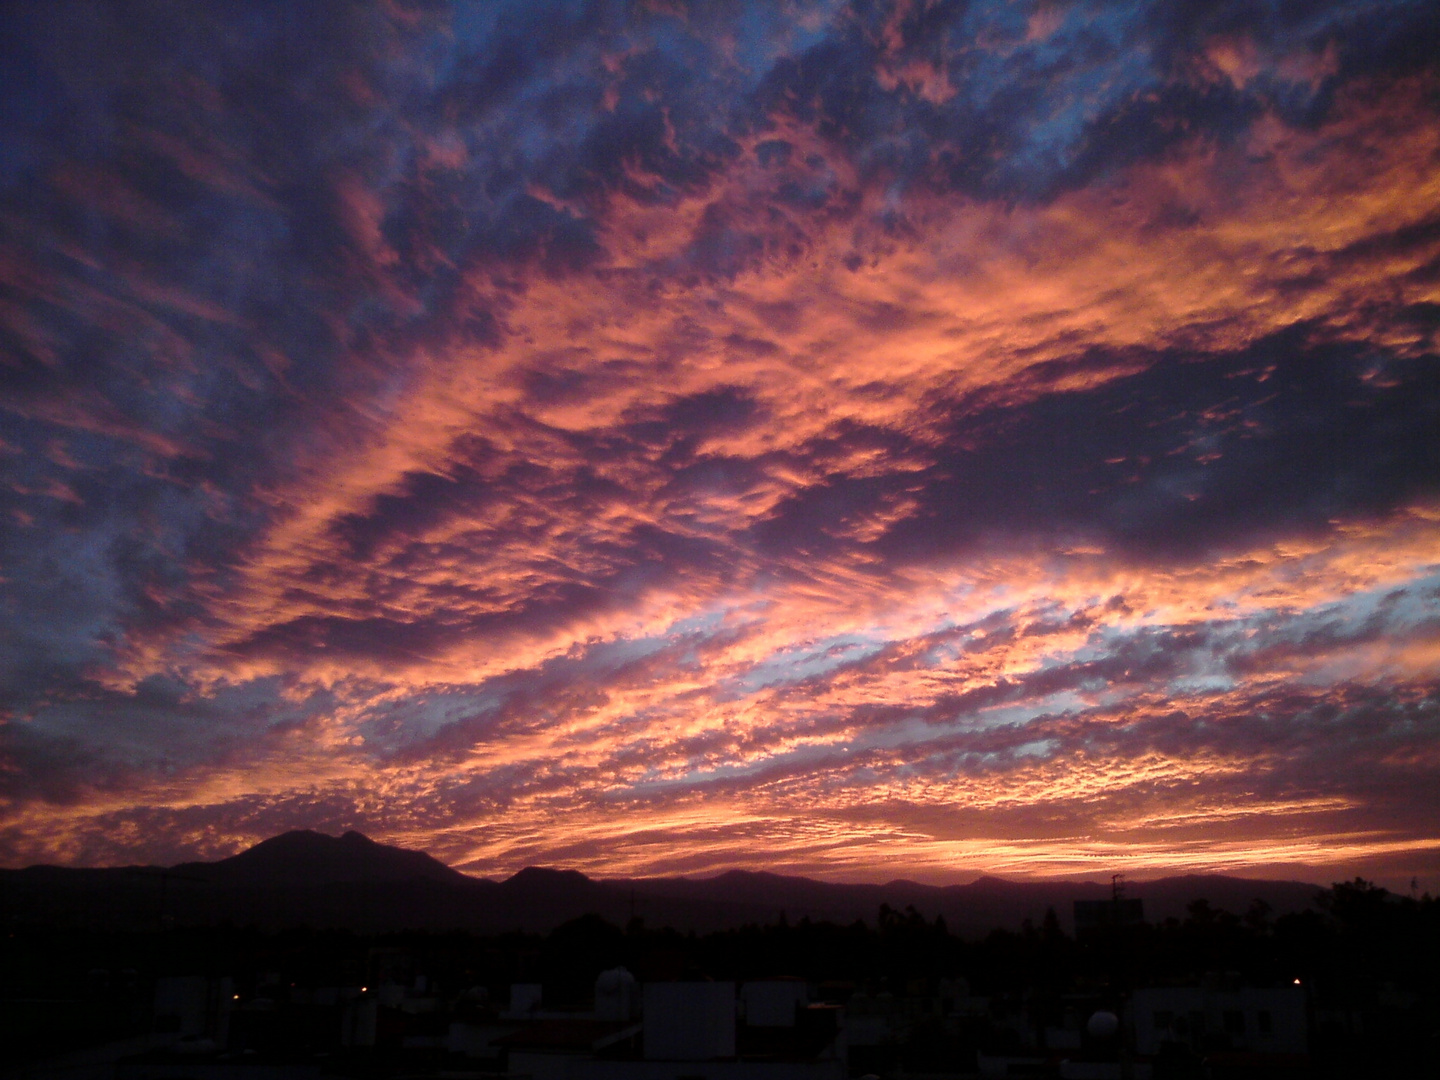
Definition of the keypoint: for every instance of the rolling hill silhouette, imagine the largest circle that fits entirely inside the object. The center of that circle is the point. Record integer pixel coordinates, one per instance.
(350, 881)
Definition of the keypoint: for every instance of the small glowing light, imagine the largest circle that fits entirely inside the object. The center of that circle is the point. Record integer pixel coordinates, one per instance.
(235, 998)
(1297, 982)
(364, 988)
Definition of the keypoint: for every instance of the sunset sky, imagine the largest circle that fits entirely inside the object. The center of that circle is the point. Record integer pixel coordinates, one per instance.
(864, 440)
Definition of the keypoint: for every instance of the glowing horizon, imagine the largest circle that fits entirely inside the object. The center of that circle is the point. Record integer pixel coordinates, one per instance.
(862, 441)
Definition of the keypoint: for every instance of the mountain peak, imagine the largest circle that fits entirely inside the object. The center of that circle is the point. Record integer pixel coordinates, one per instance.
(547, 876)
(306, 857)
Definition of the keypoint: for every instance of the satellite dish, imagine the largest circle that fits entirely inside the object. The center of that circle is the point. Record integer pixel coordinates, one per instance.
(1103, 1025)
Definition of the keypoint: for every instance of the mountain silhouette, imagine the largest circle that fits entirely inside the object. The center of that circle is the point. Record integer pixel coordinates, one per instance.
(975, 908)
(352, 882)
(305, 857)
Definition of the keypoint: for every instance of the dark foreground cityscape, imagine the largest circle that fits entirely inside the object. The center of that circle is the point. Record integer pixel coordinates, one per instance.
(123, 974)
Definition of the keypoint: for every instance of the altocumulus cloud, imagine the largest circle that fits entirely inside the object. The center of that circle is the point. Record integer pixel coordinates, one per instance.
(827, 436)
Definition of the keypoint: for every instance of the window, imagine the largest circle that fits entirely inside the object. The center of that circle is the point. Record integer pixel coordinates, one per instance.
(1234, 1021)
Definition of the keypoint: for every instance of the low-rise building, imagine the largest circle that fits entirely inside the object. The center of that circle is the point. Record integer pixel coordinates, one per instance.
(1265, 1020)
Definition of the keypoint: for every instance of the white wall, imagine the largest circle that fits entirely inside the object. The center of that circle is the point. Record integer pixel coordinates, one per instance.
(689, 1021)
(772, 1003)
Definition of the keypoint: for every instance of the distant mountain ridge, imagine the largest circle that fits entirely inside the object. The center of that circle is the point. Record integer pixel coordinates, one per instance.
(985, 903)
(310, 878)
